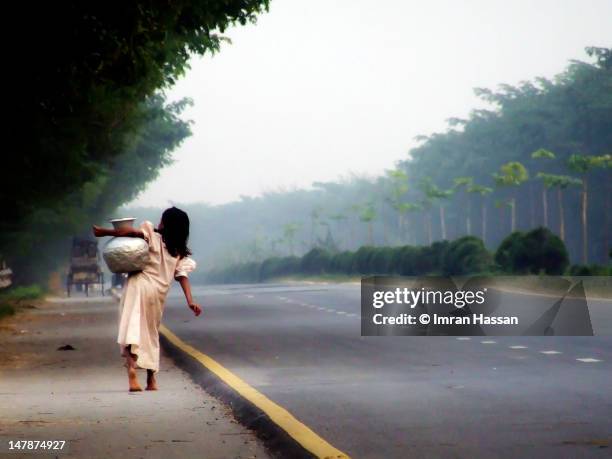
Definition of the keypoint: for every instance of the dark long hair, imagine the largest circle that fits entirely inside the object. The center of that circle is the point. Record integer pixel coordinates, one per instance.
(175, 232)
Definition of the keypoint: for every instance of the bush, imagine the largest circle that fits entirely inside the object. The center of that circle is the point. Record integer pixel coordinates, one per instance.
(590, 270)
(6, 310)
(534, 252)
(342, 262)
(29, 292)
(466, 255)
(277, 266)
(380, 260)
(405, 260)
(317, 261)
(362, 260)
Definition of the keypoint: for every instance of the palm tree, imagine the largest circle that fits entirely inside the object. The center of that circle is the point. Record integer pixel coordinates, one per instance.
(511, 174)
(406, 207)
(432, 192)
(338, 218)
(544, 154)
(466, 183)
(582, 164)
(483, 191)
(560, 182)
(368, 215)
(289, 232)
(399, 187)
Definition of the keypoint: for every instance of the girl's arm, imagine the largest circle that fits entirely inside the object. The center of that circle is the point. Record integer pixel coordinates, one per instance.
(121, 232)
(186, 286)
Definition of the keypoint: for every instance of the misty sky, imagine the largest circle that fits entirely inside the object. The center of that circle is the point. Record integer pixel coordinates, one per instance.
(321, 88)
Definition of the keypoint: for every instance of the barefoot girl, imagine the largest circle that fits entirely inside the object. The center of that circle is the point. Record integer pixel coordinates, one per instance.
(144, 294)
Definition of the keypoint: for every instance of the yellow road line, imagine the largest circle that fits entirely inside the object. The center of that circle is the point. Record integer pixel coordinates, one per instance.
(279, 415)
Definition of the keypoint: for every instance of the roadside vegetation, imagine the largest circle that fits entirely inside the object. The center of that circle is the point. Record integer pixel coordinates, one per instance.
(537, 252)
(90, 125)
(539, 155)
(12, 298)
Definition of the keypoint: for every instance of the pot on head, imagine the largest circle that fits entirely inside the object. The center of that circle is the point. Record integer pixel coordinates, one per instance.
(125, 254)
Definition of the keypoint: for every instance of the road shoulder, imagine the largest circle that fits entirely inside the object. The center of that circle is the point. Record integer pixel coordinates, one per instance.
(81, 395)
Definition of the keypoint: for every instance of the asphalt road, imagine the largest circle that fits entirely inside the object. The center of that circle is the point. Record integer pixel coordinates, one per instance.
(399, 397)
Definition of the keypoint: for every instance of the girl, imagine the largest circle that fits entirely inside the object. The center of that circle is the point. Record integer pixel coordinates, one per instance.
(144, 294)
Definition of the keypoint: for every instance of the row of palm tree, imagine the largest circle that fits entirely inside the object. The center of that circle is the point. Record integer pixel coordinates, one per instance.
(394, 192)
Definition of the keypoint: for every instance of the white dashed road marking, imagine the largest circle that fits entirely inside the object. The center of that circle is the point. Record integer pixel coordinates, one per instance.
(463, 338)
(550, 352)
(488, 342)
(588, 360)
(518, 347)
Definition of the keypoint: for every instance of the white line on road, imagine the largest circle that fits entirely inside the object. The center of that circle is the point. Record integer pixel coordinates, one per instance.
(550, 352)
(463, 338)
(517, 347)
(488, 342)
(588, 360)
(340, 312)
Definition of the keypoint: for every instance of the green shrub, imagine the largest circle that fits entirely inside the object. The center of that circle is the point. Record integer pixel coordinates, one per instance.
(466, 255)
(534, 252)
(362, 260)
(380, 260)
(590, 270)
(342, 262)
(24, 292)
(6, 310)
(316, 261)
(279, 266)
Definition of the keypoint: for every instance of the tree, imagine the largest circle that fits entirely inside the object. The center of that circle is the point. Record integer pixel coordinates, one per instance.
(368, 215)
(511, 174)
(399, 186)
(560, 182)
(544, 154)
(289, 232)
(466, 183)
(582, 164)
(76, 108)
(432, 192)
(482, 191)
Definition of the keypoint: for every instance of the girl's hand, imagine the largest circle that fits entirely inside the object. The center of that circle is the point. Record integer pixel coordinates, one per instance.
(98, 231)
(195, 307)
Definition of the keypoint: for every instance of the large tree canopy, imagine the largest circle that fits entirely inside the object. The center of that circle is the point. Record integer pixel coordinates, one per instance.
(88, 126)
(79, 74)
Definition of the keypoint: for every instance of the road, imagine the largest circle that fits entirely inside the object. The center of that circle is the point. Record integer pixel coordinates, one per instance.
(398, 397)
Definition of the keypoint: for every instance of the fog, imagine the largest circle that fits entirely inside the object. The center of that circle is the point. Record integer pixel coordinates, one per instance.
(317, 90)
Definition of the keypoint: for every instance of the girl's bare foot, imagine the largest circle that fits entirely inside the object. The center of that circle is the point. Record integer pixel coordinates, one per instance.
(130, 364)
(133, 380)
(151, 382)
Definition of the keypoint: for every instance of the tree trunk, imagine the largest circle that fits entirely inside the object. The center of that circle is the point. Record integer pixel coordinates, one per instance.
(532, 219)
(370, 233)
(607, 221)
(429, 235)
(483, 214)
(442, 223)
(513, 214)
(585, 241)
(545, 206)
(561, 214)
(468, 220)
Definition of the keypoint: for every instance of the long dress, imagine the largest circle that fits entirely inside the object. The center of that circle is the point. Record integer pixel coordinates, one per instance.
(144, 295)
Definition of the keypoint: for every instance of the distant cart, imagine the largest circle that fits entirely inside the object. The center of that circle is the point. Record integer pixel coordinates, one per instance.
(85, 267)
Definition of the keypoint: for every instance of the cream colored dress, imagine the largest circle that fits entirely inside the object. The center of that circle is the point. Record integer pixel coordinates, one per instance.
(144, 295)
